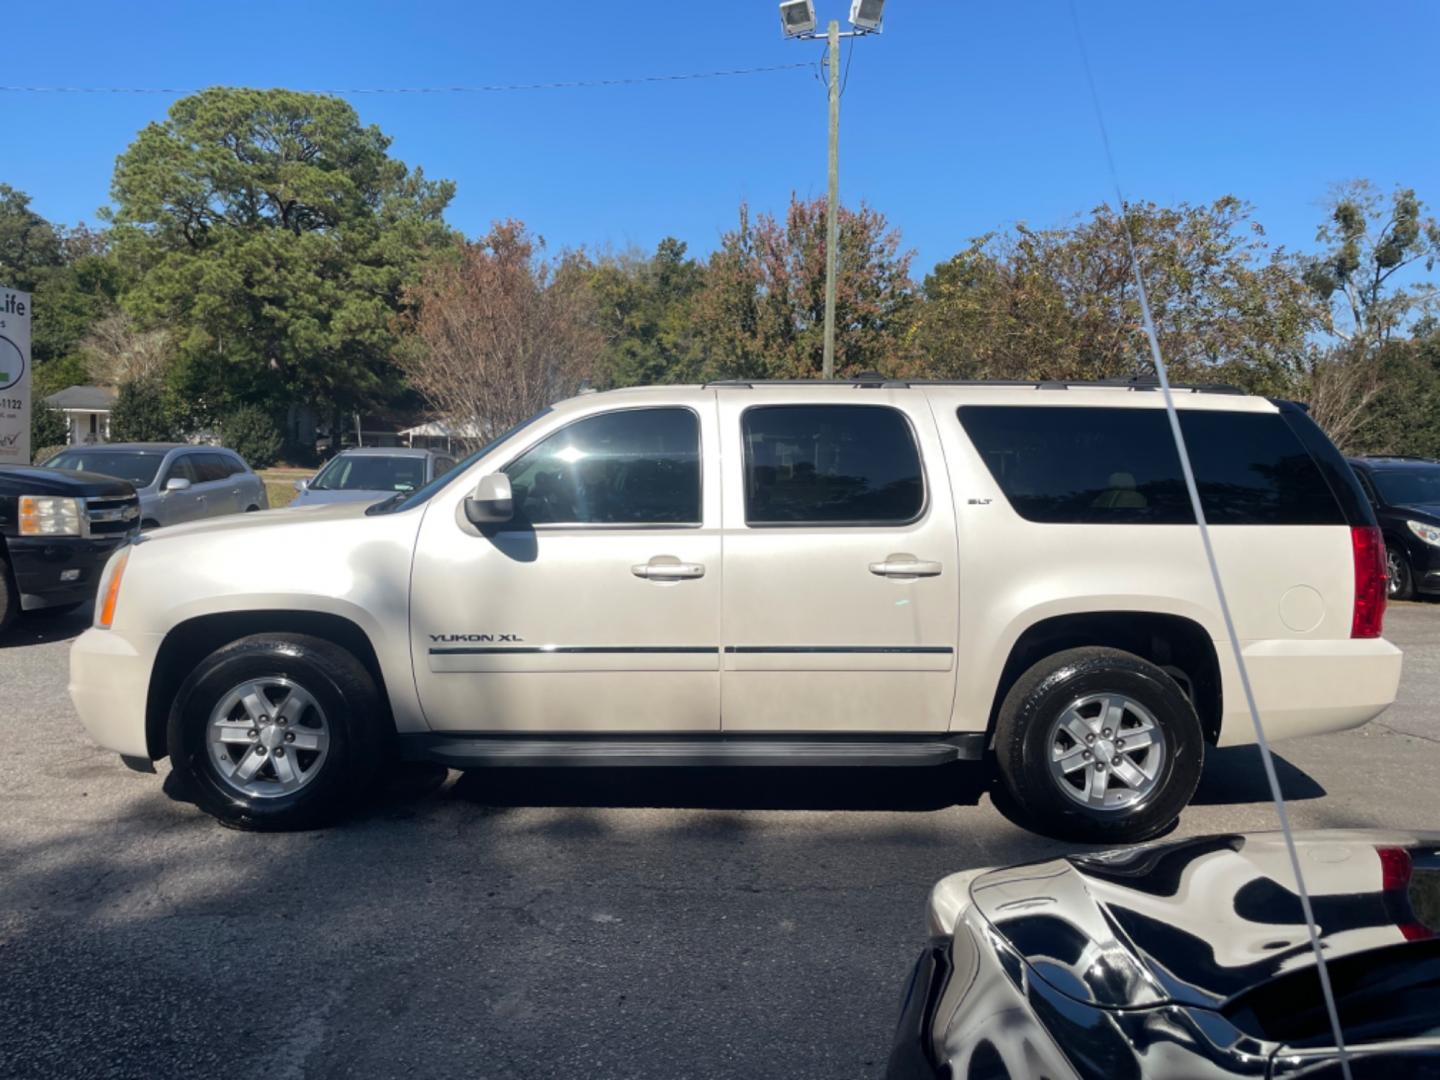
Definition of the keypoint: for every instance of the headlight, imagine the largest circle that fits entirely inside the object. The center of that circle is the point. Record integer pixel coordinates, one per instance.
(49, 515)
(1429, 533)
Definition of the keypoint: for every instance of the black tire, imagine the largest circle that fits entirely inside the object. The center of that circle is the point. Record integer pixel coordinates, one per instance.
(9, 596)
(1401, 583)
(1023, 745)
(343, 691)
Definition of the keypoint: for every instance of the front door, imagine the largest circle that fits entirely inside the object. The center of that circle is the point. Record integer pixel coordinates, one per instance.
(598, 607)
(841, 583)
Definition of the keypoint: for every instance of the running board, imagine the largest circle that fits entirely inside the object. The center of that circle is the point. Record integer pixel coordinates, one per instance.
(488, 750)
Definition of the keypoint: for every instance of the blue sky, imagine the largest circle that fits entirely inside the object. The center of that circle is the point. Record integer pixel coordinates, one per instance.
(962, 118)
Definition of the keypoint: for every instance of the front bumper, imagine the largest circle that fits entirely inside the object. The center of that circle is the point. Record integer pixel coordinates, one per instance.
(110, 685)
(54, 571)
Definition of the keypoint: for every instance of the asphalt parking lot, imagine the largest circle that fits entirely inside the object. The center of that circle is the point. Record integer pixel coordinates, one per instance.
(508, 924)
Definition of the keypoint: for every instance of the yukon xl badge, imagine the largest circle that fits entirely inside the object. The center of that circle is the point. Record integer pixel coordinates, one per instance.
(475, 637)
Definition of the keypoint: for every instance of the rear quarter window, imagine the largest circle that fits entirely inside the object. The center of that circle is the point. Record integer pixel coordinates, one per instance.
(1096, 465)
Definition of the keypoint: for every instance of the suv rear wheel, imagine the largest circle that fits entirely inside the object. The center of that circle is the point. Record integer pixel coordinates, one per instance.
(276, 731)
(1100, 745)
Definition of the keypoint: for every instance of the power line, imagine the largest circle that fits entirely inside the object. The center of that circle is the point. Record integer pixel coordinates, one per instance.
(497, 88)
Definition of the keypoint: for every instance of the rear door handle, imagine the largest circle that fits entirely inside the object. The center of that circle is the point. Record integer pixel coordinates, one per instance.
(903, 567)
(655, 570)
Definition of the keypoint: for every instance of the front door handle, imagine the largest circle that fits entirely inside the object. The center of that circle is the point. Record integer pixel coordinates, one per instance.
(667, 568)
(905, 566)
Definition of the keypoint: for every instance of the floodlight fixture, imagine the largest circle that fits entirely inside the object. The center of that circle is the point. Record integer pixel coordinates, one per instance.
(867, 15)
(797, 17)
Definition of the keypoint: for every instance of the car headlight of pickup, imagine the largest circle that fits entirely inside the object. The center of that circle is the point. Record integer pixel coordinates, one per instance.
(1429, 533)
(49, 515)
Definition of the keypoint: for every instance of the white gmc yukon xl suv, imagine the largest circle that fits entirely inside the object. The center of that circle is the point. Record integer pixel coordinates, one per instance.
(854, 573)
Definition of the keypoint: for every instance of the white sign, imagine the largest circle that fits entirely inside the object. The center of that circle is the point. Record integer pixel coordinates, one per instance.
(14, 377)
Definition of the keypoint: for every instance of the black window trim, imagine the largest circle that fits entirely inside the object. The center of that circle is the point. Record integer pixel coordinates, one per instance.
(920, 514)
(599, 526)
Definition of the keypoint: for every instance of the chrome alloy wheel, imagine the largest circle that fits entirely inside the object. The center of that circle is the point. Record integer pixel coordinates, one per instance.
(268, 737)
(1106, 751)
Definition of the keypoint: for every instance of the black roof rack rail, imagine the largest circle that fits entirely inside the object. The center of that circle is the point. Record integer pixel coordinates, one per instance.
(874, 380)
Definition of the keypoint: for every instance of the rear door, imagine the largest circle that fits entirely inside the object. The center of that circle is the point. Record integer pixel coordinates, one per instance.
(178, 506)
(839, 599)
(216, 484)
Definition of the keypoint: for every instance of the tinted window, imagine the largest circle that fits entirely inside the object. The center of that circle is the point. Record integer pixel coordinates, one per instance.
(1119, 466)
(1418, 486)
(830, 464)
(371, 472)
(137, 467)
(210, 467)
(634, 467)
(181, 468)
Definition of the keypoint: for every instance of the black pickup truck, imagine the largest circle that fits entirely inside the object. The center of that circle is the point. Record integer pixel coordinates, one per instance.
(57, 529)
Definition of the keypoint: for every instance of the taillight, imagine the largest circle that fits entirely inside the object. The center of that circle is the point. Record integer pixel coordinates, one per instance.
(1396, 869)
(1369, 614)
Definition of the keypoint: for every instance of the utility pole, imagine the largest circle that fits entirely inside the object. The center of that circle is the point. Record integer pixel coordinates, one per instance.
(797, 21)
(832, 215)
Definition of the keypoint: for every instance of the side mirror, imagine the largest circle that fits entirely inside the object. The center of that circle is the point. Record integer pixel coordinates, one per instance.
(493, 501)
(301, 485)
(177, 483)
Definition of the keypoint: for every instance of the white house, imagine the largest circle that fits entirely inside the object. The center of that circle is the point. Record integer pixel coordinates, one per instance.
(87, 412)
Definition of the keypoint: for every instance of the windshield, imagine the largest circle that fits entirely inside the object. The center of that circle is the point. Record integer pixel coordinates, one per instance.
(1409, 487)
(415, 498)
(137, 466)
(370, 472)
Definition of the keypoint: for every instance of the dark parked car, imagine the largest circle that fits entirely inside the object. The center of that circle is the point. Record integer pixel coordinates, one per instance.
(1182, 959)
(1405, 492)
(57, 529)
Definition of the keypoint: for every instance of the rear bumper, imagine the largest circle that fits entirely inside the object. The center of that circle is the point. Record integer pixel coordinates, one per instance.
(110, 684)
(1308, 687)
(53, 572)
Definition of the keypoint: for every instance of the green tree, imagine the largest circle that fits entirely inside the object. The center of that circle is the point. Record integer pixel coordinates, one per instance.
(144, 412)
(29, 245)
(48, 429)
(1062, 304)
(273, 235)
(73, 282)
(762, 311)
(253, 434)
(1370, 242)
(645, 308)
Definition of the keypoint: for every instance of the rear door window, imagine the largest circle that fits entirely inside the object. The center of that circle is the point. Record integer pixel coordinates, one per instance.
(211, 467)
(841, 465)
(1096, 465)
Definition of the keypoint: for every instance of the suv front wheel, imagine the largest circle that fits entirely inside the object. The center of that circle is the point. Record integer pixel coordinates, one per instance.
(276, 731)
(1099, 745)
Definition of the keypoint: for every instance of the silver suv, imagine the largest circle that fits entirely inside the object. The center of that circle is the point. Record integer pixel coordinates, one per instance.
(176, 482)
